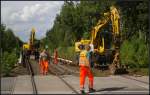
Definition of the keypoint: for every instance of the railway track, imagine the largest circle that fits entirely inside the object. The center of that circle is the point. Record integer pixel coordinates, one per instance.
(76, 72)
(64, 68)
(59, 71)
(70, 71)
(31, 73)
(128, 77)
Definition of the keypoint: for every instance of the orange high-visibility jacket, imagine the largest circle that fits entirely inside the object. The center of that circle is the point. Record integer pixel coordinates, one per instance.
(83, 60)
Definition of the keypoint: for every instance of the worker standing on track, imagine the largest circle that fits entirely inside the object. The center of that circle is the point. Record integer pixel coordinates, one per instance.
(43, 61)
(55, 56)
(85, 69)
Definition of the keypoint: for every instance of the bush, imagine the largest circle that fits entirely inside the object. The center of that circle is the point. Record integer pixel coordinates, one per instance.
(127, 53)
(8, 62)
(66, 52)
(141, 55)
(134, 53)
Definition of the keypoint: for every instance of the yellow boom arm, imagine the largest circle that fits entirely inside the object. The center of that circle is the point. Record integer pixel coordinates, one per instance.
(99, 25)
(113, 15)
(32, 37)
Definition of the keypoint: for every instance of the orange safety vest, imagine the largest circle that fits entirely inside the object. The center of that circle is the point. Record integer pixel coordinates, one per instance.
(83, 60)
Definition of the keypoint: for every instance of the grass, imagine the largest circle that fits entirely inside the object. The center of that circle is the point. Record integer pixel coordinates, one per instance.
(139, 71)
(132, 71)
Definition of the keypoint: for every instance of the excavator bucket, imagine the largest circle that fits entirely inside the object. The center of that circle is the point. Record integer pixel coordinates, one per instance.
(116, 67)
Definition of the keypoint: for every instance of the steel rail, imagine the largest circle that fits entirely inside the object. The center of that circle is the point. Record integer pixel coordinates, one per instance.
(58, 73)
(31, 72)
(124, 76)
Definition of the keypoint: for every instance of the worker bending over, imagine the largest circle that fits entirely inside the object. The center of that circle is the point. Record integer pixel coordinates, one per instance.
(43, 61)
(85, 69)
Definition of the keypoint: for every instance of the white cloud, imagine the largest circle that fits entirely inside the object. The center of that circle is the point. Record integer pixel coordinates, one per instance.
(30, 12)
(22, 15)
(27, 12)
(13, 16)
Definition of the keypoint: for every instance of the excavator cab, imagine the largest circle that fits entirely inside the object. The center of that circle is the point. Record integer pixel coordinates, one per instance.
(83, 43)
(25, 46)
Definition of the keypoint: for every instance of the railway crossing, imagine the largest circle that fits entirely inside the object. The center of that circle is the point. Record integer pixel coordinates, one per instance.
(63, 80)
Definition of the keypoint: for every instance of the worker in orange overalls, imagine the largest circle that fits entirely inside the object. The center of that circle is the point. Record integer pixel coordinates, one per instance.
(85, 69)
(43, 61)
(55, 56)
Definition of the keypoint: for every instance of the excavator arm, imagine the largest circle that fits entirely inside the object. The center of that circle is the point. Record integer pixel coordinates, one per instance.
(115, 20)
(99, 25)
(113, 15)
(32, 37)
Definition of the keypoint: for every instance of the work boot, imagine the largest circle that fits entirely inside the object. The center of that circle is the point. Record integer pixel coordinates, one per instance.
(82, 91)
(91, 90)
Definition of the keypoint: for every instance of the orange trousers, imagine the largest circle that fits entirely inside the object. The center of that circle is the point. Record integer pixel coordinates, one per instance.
(44, 67)
(85, 71)
(55, 60)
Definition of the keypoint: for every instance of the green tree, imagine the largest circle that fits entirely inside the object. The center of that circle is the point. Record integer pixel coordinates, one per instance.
(10, 49)
(8, 62)
(9, 40)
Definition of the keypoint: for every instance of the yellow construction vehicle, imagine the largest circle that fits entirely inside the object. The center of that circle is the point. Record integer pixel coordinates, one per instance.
(25, 46)
(30, 45)
(31, 40)
(106, 50)
(82, 42)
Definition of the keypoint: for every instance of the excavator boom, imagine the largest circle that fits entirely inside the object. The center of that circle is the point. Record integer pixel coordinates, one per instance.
(113, 15)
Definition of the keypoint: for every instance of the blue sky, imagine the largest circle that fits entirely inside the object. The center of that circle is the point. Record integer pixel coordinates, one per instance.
(21, 16)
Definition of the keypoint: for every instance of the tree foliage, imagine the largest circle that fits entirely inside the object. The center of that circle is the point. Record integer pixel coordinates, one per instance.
(8, 62)
(134, 18)
(134, 52)
(10, 49)
(9, 40)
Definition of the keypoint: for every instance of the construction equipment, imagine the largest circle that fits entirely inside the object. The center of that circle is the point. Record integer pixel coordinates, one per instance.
(25, 46)
(107, 42)
(30, 47)
(31, 40)
(82, 42)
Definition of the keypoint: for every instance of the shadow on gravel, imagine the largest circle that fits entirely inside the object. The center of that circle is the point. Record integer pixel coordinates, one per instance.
(110, 89)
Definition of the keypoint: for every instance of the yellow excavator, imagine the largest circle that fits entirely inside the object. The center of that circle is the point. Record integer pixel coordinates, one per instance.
(106, 43)
(30, 45)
